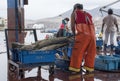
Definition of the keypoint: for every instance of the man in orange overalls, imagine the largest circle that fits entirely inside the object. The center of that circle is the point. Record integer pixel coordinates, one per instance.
(85, 42)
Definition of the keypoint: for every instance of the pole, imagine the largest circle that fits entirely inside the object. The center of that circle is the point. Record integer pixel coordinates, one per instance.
(16, 20)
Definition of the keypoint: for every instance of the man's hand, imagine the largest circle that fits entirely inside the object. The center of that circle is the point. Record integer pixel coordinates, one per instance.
(102, 31)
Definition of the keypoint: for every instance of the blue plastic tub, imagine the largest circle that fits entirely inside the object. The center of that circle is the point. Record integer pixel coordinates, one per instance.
(62, 64)
(106, 63)
(29, 56)
(118, 56)
(117, 50)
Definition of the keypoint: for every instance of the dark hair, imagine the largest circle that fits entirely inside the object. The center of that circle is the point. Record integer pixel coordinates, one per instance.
(79, 6)
(110, 11)
(67, 19)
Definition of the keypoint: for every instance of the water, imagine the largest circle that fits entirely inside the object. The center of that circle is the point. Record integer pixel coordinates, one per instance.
(3, 58)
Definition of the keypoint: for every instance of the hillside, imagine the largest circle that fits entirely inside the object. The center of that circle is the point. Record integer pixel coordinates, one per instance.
(54, 22)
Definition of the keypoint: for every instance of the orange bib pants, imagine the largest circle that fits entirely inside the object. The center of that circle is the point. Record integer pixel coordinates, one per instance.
(84, 47)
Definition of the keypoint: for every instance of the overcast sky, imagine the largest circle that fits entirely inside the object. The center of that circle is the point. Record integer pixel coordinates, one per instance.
(37, 9)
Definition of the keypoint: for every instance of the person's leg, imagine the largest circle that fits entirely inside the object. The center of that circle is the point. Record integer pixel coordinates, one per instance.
(105, 46)
(112, 34)
(106, 40)
(64, 33)
(79, 48)
(90, 56)
(59, 33)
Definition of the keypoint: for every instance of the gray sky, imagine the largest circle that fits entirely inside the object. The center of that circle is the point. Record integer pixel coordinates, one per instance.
(37, 9)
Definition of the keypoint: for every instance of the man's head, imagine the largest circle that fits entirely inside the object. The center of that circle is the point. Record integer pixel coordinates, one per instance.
(110, 11)
(78, 6)
(67, 19)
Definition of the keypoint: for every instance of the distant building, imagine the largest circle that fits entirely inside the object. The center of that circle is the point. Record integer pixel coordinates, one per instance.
(3, 23)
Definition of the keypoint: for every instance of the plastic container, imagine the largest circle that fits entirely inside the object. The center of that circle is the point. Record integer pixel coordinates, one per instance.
(99, 43)
(15, 55)
(117, 50)
(29, 56)
(106, 63)
(62, 64)
(118, 56)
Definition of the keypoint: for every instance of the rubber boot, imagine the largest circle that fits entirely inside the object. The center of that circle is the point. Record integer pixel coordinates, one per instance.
(112, 49)
(105, 46)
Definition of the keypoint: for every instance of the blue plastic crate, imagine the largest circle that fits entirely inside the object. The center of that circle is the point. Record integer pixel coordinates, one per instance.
(118, 56)
(106, 63)
(62, 64)
(117, 50)
(99, 43)
(29, 56)
(15, 55)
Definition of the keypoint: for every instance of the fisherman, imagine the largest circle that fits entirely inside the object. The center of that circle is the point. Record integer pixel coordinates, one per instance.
(85, 41)
(63, 31)
(111, 23)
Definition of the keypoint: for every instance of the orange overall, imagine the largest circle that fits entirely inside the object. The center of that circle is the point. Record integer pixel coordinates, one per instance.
(85, 43)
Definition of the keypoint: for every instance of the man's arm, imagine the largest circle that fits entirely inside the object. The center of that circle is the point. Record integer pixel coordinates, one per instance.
(116, 24)
(67, 28)
(102, 27)
(73, 23)
(117, 27)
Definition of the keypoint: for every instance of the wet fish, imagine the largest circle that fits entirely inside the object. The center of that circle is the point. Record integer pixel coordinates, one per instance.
(17, 45)
(48, 42)
(53, 47)
(45, 44)
(65, 56)
(27, 47)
